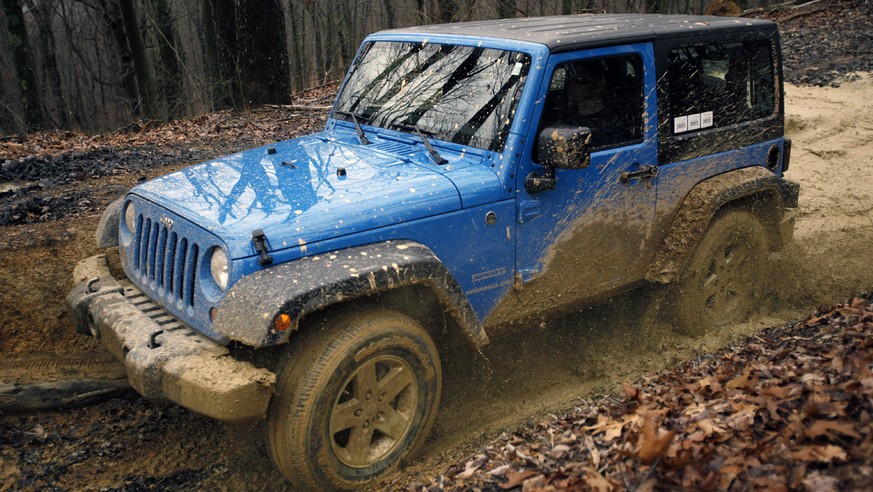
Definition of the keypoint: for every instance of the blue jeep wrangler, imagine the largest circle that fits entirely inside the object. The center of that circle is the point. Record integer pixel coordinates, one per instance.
(471, 176)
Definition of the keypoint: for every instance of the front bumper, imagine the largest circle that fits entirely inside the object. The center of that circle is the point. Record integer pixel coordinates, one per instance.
(164, 357)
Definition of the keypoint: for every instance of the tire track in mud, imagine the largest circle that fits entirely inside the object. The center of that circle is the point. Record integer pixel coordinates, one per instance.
(47, 381)
(52, 367)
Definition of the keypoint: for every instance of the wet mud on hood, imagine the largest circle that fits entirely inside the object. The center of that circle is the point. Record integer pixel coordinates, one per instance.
(311, 188)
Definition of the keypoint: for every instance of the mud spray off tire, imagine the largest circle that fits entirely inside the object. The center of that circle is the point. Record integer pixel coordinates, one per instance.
(723, 280)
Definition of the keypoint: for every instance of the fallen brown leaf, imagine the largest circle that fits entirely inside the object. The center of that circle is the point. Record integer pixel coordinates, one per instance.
(824, 454)
(780, 392)
(516, 478)
(727, 475)
(473, 465)
(821, 483)
(742, 382)
(653, 447)
(824, 428)
(709, 427)
(611, 428)
(631, 392)
(595, 481)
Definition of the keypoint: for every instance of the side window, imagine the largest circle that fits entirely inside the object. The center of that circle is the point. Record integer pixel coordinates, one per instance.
(604, 95)
(720, 84)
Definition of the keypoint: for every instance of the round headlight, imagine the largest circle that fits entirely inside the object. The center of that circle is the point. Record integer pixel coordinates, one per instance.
(130, 217)
(219, 267)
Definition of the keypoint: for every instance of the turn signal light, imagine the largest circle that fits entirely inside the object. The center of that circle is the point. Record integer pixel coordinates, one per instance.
(282, 322)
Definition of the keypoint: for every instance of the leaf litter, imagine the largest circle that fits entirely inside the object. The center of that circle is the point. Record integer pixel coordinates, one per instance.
(790, 408)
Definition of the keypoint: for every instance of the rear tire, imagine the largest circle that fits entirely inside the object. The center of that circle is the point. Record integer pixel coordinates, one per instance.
(356, 397)
(723, 280)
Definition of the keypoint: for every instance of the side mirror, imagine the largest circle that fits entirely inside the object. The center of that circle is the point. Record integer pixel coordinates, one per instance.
(567, 147)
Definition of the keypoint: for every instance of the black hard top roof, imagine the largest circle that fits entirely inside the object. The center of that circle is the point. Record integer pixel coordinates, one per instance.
(566, 32)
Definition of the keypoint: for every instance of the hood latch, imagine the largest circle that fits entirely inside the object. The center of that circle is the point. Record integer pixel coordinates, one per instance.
(260, 242)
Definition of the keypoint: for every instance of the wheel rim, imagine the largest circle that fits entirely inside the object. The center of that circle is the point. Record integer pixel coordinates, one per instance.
(727, 282)
(374, 411)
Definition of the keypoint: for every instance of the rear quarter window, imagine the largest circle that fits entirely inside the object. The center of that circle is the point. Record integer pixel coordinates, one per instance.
(718, 85)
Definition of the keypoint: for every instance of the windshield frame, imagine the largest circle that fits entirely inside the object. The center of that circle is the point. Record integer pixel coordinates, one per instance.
(531, 53)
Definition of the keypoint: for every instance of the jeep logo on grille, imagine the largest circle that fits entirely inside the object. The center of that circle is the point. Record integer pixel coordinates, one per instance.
(168, 222)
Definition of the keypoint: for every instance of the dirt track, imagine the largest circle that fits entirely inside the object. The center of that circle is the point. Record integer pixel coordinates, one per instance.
(132, 443)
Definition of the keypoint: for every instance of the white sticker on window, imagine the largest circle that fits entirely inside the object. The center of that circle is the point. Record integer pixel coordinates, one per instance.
(680, 124)
(516, 70)
(706, 119)
(694, 121)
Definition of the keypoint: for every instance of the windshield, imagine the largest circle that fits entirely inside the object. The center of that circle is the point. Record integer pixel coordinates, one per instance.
(460, 94)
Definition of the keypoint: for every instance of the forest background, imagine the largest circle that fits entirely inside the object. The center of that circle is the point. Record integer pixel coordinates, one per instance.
(98, 65)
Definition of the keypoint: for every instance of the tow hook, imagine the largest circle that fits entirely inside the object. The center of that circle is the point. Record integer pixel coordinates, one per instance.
(91, 283)
(153, 342)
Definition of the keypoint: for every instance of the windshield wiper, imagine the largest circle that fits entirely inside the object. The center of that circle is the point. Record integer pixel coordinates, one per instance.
(432, 152)
(360, 131)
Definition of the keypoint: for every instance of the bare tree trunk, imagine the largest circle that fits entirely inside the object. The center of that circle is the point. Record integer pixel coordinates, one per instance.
(112, 18)
(210, 43)
(170, 74)
(447, 10)
(145, 85)
(11, 107)
(21, 53)
(316, 43)
(422, 15)
(262, 54)
(52, 98)
(506, 9)
(346, 37)
(295, 53)
(224, 15)
(390, 22)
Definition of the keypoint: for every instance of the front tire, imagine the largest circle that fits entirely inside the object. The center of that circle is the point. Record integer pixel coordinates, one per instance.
(722, 282)
(356, 397)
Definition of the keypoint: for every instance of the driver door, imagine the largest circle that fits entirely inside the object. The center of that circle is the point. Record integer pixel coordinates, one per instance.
(588, 236)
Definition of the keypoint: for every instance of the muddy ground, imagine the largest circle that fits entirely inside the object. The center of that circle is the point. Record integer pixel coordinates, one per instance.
(52, 187)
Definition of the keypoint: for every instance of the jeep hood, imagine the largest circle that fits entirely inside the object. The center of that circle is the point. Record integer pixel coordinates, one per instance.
(310, 189)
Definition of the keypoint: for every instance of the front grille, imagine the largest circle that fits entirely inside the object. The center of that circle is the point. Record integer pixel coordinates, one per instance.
(165, 259)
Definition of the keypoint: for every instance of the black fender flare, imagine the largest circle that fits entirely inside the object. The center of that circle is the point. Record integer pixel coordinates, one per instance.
(699, 207)
(107, 228)
(306, 285)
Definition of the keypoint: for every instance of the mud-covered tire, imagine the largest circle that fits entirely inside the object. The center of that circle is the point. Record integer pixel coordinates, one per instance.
(722, 282)
(355, 398)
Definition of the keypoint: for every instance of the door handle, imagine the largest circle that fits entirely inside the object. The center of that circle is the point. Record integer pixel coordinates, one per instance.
(645, 172)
